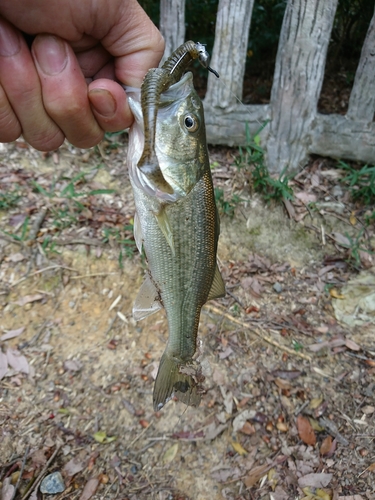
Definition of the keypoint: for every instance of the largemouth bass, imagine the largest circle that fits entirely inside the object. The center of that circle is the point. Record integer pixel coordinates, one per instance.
(178, 230)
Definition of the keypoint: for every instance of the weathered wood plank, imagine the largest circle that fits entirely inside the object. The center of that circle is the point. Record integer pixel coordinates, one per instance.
(297, 80)
(228, 128)
(362, 96)
(330, 135)
(229, 53)
(172, 24)
(339, 137)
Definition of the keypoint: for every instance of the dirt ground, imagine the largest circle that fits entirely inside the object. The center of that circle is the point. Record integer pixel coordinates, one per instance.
(289, 404)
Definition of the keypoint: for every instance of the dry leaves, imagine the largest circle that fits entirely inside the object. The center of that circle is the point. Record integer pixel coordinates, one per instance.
(256, 474)
(89, 489)
(305, 431)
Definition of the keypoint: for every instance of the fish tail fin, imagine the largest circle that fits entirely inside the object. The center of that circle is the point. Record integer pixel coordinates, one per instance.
(172, 381)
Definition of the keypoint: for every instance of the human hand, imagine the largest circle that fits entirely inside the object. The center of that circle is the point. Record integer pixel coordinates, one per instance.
(65, 85)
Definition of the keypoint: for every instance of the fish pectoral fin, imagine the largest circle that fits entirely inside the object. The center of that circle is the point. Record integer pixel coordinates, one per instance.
(165, 227)
(217, 288)
(137, 231)
(147, 301)
(175, 379)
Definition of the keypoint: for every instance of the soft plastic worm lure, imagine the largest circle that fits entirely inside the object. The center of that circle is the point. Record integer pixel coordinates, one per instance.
(156, 81)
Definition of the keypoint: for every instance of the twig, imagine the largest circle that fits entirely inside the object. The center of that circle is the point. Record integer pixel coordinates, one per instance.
(78, 241)
(49, 268)
(111, 325)
(260, 334)
(37, 223)
(92, 275)
(235, 298)
(141, 434)
(40, 477)
(21, 472)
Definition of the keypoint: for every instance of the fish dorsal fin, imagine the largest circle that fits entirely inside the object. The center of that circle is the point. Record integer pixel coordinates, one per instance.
(165, 227)
(217, 287)
(147, 301)
(137, 231)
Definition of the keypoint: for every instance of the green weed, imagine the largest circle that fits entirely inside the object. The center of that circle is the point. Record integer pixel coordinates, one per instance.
(9, 200)
(127, 245)
(224, 206)
(361, 182)
(354, 248)
(252, 156)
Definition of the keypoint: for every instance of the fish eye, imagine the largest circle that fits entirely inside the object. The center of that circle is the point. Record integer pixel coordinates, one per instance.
(191, 123)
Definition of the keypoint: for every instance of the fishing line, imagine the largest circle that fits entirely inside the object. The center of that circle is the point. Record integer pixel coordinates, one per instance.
(243, 105)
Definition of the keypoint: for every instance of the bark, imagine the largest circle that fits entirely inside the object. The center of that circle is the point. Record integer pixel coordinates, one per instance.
(297, 81)
(229, 53)
(362, 97)
(172, 24)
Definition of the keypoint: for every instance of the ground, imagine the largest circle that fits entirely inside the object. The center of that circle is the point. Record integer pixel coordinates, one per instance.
(289, 404)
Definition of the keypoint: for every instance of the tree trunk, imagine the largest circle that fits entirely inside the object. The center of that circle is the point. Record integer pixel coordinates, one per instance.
(229, 53)
(362, 97)
(172, 24)
(297, 81)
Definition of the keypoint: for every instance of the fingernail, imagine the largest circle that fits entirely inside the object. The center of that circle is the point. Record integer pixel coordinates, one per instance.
(50, 53)
(10, 42)
(103, 102)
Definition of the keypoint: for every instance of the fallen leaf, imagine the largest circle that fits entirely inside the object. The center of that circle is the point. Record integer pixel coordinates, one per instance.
(306, 198)
(282, 426)
(17, 361)
(326, 446)
(353, 219)
(256, 474)
(11, 334)
(170, 454)
(72, 365)
(241, 419)
(350, 344)
(30, 298)
(213, 430)
(336, 294)
(16, 257)
(7, 490)
(305, 431)
(101, 437)
(90, 488)
(3, 364)
(287, 374)
(248, 429)
(282, 384)
(315, 403)
(371, 468)
(238, 448)
(316, 480)
(75, 465)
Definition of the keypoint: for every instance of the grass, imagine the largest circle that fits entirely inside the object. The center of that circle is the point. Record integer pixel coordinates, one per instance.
(361, 182)
(127, 245)
(224, 206)
(252, 157)
(9, 200)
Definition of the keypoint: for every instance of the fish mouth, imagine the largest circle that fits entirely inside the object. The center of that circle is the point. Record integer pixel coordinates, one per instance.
(144, 181)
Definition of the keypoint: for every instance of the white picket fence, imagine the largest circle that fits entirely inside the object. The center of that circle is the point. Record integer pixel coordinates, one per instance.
(295, 128)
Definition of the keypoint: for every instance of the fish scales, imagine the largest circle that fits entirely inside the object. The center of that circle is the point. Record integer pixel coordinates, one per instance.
(179, 237)
(183, 279)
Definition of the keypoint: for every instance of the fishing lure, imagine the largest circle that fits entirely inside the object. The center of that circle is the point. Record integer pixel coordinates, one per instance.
(156, 81)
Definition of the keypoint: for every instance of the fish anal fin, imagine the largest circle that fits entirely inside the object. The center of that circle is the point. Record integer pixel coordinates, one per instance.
(173, 380)
(165, 227)
(147, 301)
(217, 288)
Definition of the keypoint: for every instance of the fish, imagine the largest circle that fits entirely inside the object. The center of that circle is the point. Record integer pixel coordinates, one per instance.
(178, 230)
